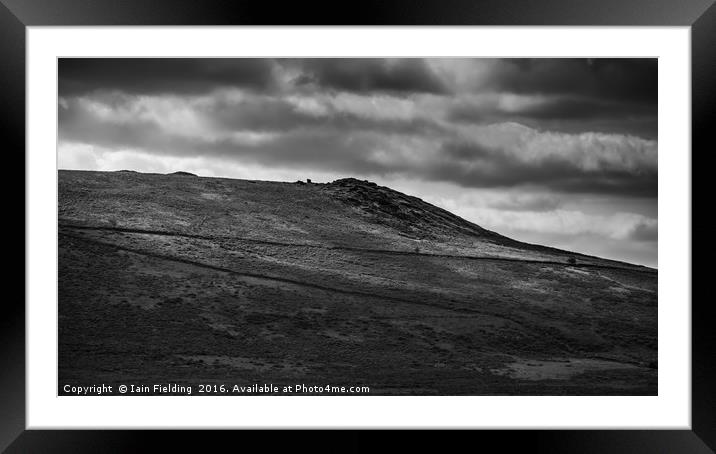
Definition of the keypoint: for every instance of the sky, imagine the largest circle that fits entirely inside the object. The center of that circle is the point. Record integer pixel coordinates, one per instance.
(560, 152)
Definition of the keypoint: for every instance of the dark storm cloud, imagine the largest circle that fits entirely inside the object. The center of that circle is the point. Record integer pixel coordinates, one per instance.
(620, 79)
(571, 116)
(571, 95)
(579, 109)
(366, 75)
(556, 108)
(568, 114)
(196, 76)
(473, 165)
(156, 76)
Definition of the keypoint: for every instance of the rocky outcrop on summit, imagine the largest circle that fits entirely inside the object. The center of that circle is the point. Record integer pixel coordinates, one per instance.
(403, 212)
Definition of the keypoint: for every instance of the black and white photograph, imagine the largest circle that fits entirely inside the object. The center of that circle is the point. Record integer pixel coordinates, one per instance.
(357, 226)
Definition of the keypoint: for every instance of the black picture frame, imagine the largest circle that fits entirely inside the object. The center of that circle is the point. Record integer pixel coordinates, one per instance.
(16, 15)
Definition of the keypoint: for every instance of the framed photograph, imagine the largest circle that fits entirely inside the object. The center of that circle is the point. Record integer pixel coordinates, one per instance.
(406, 217)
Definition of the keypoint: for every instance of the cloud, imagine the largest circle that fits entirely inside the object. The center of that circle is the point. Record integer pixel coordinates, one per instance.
(614, 79)
(369, 75)
(145, 76)
(567, 95)
(340, 112)
(646, 230)
(513, 155)
(335, 133)
(539, 107)
(194, 76)
(584, 108)
(527, 202)
(570, 95)
(559, 113)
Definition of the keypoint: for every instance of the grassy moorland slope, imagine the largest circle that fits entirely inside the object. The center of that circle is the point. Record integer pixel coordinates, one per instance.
(181, 279)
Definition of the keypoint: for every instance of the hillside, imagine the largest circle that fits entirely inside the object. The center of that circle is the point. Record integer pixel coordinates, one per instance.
(182, 279)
